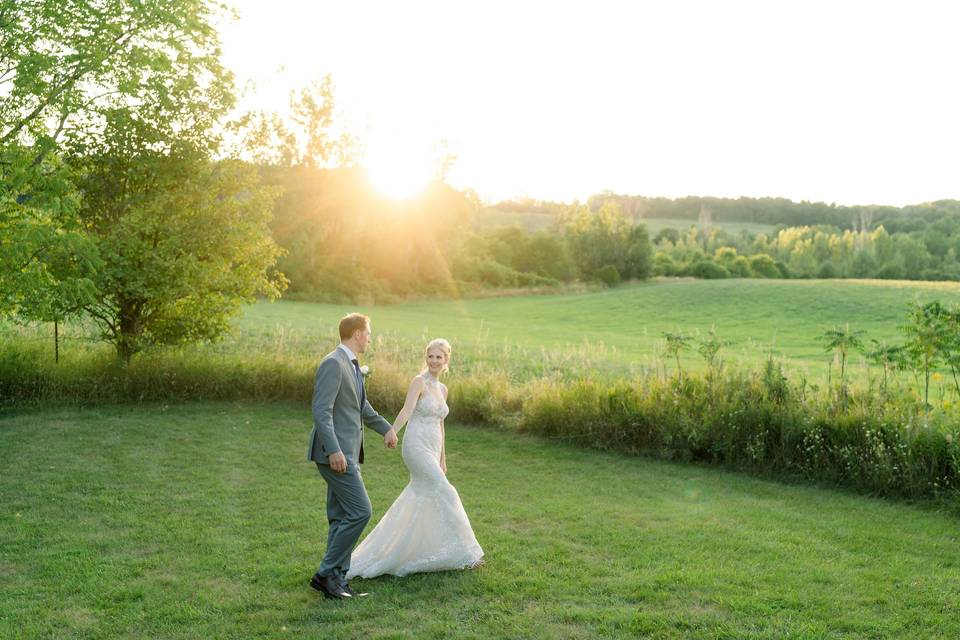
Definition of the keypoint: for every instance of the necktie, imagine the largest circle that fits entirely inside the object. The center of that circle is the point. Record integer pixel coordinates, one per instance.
(356, 370)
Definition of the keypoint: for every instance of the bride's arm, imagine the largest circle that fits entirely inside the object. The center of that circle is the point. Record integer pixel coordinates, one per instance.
(416, 388)
(443, 438)
(443, 449)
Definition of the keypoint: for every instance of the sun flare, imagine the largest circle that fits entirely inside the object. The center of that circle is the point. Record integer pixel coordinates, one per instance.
(398, 169)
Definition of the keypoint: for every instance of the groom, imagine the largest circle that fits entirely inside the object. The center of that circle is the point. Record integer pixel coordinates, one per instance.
(336, 445)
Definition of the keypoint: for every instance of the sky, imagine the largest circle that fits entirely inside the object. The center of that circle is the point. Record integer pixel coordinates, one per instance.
(844, 102)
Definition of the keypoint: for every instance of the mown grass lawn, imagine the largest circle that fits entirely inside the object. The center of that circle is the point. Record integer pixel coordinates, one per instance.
(205, 521)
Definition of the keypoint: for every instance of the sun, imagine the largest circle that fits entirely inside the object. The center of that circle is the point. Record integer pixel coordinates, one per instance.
(398, 168)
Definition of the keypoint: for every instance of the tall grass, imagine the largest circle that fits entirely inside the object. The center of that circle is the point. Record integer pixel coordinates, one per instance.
(759, 412)
(610, 334)
(750, 421)
(880, 442)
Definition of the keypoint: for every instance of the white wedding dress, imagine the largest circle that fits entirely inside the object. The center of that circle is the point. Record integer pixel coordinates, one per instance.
(426, 528)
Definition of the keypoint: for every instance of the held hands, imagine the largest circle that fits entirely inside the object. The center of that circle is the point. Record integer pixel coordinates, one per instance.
(338, 463)
(390, 439)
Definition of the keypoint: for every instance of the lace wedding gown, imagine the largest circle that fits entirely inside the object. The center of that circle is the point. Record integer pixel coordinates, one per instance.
(426, 528)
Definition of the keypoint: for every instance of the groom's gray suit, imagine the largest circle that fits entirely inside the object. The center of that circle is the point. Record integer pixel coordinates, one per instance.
(340, 408)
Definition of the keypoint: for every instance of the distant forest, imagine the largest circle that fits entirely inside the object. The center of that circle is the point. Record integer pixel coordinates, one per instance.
(805, 240)
(772, 211)
(343, 243)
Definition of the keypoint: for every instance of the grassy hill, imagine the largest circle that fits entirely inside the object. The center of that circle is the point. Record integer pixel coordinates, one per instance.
(205, 520)
(615, 330)
(608, 333)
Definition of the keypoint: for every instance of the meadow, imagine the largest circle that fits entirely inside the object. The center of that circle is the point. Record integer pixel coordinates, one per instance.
(205, 520)
(588, 369)
(612, 333)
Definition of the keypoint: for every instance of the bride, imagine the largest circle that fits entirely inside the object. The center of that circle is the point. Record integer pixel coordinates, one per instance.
(426, 528)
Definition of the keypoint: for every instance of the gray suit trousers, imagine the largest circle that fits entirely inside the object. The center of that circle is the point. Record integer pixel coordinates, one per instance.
(348, 511)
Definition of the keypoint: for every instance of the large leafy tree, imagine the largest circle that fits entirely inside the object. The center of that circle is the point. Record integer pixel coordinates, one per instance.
(66, 69)
(183, 240)
(45, 259)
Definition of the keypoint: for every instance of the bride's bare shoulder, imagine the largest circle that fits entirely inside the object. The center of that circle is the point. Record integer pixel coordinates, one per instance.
(417, 382)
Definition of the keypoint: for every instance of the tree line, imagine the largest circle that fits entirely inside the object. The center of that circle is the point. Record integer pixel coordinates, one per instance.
(345, 243)
(808, 252)
(808, 240)
(772, 211)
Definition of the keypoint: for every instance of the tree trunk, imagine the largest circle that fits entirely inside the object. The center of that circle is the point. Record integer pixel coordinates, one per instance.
(130, 330)
(124, 351)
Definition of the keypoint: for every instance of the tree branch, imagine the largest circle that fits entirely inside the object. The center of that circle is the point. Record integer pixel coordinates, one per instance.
(102, 313)
(48, 147)
(69, 80)
(36, 254)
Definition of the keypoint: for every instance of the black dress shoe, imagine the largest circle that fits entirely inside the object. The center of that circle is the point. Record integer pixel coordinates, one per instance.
(349, 590)
(328, 586)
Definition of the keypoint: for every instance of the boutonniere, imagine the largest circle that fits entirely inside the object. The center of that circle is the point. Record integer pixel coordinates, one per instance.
(365, 371)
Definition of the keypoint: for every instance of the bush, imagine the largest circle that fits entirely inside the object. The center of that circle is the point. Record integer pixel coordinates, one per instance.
(486, 271)
(608, 275)
(826, 270)
(764, 266)
(664, 265)
(639, 259)
(755, 422)
(740, 267)
(892, 271)
(709, 270)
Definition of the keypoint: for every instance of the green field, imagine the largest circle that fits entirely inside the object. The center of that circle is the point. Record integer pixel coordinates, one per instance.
(205, 521)
(618, 330)
(609, 333)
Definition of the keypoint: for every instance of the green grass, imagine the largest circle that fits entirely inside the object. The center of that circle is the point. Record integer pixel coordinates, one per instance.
(612, 333)
(622, 328)
(205, 521)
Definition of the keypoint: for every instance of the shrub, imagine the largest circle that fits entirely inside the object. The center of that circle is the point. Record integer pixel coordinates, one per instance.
(826, 270)
(764, 266)
(755, 422)
(664, 265)
(487, 271)
(709, 270)
(608, 275)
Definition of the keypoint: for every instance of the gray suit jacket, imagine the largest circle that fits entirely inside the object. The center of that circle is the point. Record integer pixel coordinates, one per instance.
(338, 416)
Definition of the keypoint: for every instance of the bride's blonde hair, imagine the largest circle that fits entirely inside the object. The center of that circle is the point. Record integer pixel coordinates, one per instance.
(443, 345)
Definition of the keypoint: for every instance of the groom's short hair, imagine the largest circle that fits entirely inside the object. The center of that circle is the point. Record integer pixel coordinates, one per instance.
(351, 323)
